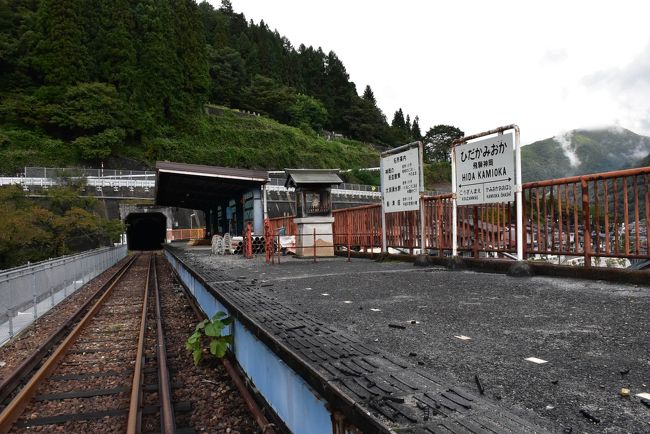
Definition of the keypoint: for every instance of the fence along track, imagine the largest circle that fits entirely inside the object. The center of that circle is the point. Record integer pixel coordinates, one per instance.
(101, 311)
(18, 376)
(599, 215)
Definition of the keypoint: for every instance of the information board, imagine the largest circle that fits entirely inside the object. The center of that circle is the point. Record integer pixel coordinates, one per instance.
(400, 180)
(485, 171)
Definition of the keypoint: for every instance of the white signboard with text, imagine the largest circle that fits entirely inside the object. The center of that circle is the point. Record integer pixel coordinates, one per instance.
(485, 171)
(400, 180)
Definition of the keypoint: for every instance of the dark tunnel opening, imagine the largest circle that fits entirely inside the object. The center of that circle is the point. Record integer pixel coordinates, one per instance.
(146, 231)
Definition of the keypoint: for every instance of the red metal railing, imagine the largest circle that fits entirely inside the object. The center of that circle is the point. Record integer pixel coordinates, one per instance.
(605, 214)
(185, 234)
(600, 215)
(361, 224)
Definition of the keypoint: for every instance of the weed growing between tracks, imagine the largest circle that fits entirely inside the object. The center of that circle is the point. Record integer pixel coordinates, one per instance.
(210, 330)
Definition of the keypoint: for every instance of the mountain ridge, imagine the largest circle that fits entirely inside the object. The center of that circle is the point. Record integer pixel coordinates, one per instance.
(583, 151)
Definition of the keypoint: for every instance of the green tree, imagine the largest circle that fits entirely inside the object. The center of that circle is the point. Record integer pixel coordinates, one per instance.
(369, 95)
(339, 93)
(438, 142)
(227, 75)
(416, 134)
(192, 66)
(398, 120)
(226, 6)
(114, 51)
(61, 56)
(269, 97)
(306, 110)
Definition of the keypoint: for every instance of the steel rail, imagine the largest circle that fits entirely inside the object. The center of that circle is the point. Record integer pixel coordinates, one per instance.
(13, 380)
(14, 409)
(134, 420)
(167, 422)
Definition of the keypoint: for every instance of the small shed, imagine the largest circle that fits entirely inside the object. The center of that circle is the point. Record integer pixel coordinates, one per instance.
(313, 190)
(313, 209)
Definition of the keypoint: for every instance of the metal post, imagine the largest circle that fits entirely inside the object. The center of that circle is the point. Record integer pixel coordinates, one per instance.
(11, 323)
(519, 197)
(586, 223)
(454, 211)
(314, 245)
(476, 228)
(35, 298)
(49, 285)
(349, 236)
(66, 280)
(264, 202)
(421, 168)
(384, 248)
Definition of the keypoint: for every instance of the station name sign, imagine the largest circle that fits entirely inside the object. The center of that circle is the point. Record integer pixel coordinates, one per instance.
(400, 180)
(485, 171)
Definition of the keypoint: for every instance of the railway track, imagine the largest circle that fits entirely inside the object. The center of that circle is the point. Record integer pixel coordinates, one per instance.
(109, 374)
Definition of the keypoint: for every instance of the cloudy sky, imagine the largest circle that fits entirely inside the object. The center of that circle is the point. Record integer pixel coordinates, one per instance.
(549, 66)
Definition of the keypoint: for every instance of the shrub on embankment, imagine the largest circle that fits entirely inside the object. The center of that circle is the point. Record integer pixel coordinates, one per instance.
(60, 223)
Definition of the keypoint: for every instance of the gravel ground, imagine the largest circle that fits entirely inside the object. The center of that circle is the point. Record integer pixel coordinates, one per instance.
(594, 336)
(216, 405)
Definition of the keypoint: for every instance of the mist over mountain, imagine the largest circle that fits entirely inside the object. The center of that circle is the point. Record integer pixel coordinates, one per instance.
(581, 151)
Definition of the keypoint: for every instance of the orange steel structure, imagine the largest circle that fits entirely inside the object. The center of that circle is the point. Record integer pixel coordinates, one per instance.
(600, 215)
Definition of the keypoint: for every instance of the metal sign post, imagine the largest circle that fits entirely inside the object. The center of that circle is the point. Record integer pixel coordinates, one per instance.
(519, 197)
(421, 192)
(402, 182)
(454, 214)
(384, 249)
(482, 172)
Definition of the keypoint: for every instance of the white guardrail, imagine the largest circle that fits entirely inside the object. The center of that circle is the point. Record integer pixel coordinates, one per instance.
(97, 178)
(29, 291)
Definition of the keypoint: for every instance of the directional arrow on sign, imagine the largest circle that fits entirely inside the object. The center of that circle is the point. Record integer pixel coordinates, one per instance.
(486, 182)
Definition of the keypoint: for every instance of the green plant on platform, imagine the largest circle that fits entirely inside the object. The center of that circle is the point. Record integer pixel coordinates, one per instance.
(210, 330)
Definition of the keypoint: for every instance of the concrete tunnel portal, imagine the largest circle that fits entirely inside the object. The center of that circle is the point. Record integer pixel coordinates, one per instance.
(146, 231)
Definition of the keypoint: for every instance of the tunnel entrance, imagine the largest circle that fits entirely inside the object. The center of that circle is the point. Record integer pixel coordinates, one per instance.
(145, 231)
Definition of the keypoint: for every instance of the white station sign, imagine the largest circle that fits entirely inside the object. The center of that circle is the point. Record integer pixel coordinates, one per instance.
(400, 180)
(485, 171)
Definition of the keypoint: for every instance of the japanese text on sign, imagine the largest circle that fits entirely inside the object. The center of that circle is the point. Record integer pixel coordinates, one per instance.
(400, 180)
(485, 171)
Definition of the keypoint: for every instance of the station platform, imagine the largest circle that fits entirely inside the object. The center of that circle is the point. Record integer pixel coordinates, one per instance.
(370, 359)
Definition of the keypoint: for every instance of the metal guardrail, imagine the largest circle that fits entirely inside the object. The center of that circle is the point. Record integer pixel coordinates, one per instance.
(603, 215)
(45, 177)
(74, 172)
(89, 182)
(37, 287)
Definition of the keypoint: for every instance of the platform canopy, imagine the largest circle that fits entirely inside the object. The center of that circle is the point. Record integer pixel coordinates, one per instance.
(197, 186)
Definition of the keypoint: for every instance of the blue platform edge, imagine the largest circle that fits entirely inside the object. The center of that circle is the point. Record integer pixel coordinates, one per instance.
(300, 407)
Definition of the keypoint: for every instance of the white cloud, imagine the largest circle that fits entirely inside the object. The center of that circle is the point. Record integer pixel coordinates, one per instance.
(564, 140)
(478, 65)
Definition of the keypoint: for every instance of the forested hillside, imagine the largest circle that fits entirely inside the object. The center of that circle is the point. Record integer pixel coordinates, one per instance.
(581, 152)
(84, 81)
(60, 223)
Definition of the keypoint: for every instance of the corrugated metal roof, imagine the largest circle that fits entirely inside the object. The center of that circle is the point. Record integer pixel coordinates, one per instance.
(212, 171)
(312, 176)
